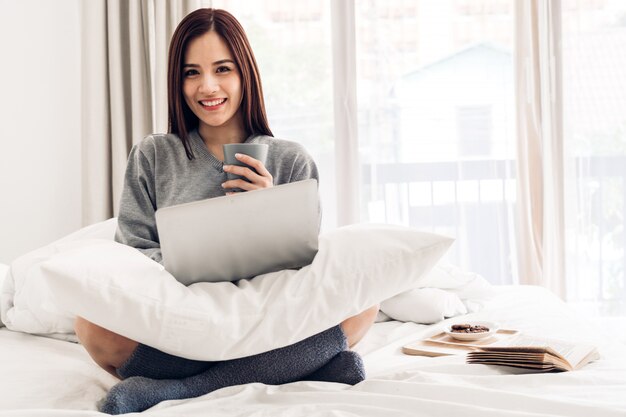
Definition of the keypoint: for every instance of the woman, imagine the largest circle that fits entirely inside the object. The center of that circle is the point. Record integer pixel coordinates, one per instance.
(215, 97)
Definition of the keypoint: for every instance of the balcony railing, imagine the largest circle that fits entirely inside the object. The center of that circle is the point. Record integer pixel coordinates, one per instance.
(486, 241)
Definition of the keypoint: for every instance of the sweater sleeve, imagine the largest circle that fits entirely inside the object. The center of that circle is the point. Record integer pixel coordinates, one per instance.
(136, 224)
(305, 169)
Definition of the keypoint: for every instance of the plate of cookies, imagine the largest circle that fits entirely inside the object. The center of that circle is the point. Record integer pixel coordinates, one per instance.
(471, 330)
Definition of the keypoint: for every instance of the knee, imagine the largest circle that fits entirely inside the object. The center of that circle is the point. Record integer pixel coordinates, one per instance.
(367, 317)
(93, 338)
(357, 326)
(84, 330)
(109, 350)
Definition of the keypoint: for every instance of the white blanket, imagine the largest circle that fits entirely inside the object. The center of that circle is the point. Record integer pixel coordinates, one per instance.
(47, 378)
(118, 288)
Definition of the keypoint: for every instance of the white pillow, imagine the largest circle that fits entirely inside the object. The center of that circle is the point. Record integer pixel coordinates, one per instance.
(471, 288)
(423, 305)
(25, 305)
(119, 288)
(452, 292)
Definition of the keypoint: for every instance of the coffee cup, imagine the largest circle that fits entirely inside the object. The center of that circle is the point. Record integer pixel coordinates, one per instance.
(255, 150)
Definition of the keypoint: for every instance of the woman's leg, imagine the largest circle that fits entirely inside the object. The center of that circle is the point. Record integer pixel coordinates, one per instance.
(357, 326)
(107, 349)
(345, 368)
(123, 357)
(280, 366)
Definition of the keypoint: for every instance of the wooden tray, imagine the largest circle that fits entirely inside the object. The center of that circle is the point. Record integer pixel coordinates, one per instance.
(441, 344)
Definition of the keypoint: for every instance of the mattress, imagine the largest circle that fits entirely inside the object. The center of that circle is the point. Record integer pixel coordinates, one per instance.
(47, 377)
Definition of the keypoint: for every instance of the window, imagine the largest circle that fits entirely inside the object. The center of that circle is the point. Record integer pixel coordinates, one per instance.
(436, 118)
(594, 114)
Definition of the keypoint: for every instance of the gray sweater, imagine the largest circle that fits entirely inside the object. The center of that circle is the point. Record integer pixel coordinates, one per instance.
(159, 174)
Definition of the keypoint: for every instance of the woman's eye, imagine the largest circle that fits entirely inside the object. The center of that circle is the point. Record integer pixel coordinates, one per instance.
(190, 72)
(222, 69)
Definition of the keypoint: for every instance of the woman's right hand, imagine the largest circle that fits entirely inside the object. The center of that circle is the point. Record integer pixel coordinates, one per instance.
(256, 180)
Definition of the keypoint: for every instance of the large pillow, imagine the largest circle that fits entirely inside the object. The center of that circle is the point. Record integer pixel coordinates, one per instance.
(25, 305)
(120, 289)
(447, 291)
(423, 305)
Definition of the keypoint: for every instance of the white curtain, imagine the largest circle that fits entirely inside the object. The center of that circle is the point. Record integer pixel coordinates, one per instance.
(345, 108)
(124, 89)
(540, 173)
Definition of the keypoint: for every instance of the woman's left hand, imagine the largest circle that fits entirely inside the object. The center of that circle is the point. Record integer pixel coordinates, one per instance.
(259, 179)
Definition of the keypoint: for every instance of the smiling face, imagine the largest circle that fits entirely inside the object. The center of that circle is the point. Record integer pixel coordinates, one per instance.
(212, 88)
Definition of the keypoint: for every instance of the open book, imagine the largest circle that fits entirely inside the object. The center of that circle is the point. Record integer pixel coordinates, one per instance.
(509, 348)
(535, 353)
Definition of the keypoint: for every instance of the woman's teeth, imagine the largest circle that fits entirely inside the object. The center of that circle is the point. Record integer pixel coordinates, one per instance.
(213, 103)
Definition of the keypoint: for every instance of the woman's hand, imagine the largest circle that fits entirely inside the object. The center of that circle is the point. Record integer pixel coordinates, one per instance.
(259, 179)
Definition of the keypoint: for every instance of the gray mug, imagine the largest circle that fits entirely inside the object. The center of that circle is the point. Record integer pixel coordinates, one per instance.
(255, 150)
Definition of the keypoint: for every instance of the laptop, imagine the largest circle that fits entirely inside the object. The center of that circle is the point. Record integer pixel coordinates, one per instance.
(241, 236)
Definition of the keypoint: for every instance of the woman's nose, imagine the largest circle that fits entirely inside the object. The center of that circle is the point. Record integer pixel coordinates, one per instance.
(209, 85)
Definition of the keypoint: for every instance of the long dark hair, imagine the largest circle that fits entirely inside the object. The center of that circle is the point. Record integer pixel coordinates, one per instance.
(180, 117)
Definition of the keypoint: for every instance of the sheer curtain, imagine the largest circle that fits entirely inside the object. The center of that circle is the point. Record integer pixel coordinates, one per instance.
(345, 110)
(124, 60)
(571, 95)
(541, 233)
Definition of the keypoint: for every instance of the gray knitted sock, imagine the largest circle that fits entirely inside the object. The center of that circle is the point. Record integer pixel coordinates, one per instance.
(346, 368)
(279, 366)
(152, 363)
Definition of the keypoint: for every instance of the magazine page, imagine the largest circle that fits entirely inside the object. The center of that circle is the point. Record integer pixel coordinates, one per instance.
(572, 353)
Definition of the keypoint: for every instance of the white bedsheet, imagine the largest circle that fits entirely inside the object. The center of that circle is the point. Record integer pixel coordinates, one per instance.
(46, 377)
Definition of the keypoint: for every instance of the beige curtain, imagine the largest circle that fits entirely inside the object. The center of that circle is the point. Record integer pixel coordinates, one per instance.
(345, 112)
(540, 170)
(124, 89)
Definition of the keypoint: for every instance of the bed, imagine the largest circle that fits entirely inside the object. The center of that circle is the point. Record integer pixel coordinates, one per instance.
(47, 377)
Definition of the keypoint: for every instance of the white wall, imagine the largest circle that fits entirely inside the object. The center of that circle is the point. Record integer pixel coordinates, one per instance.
(39, 123)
